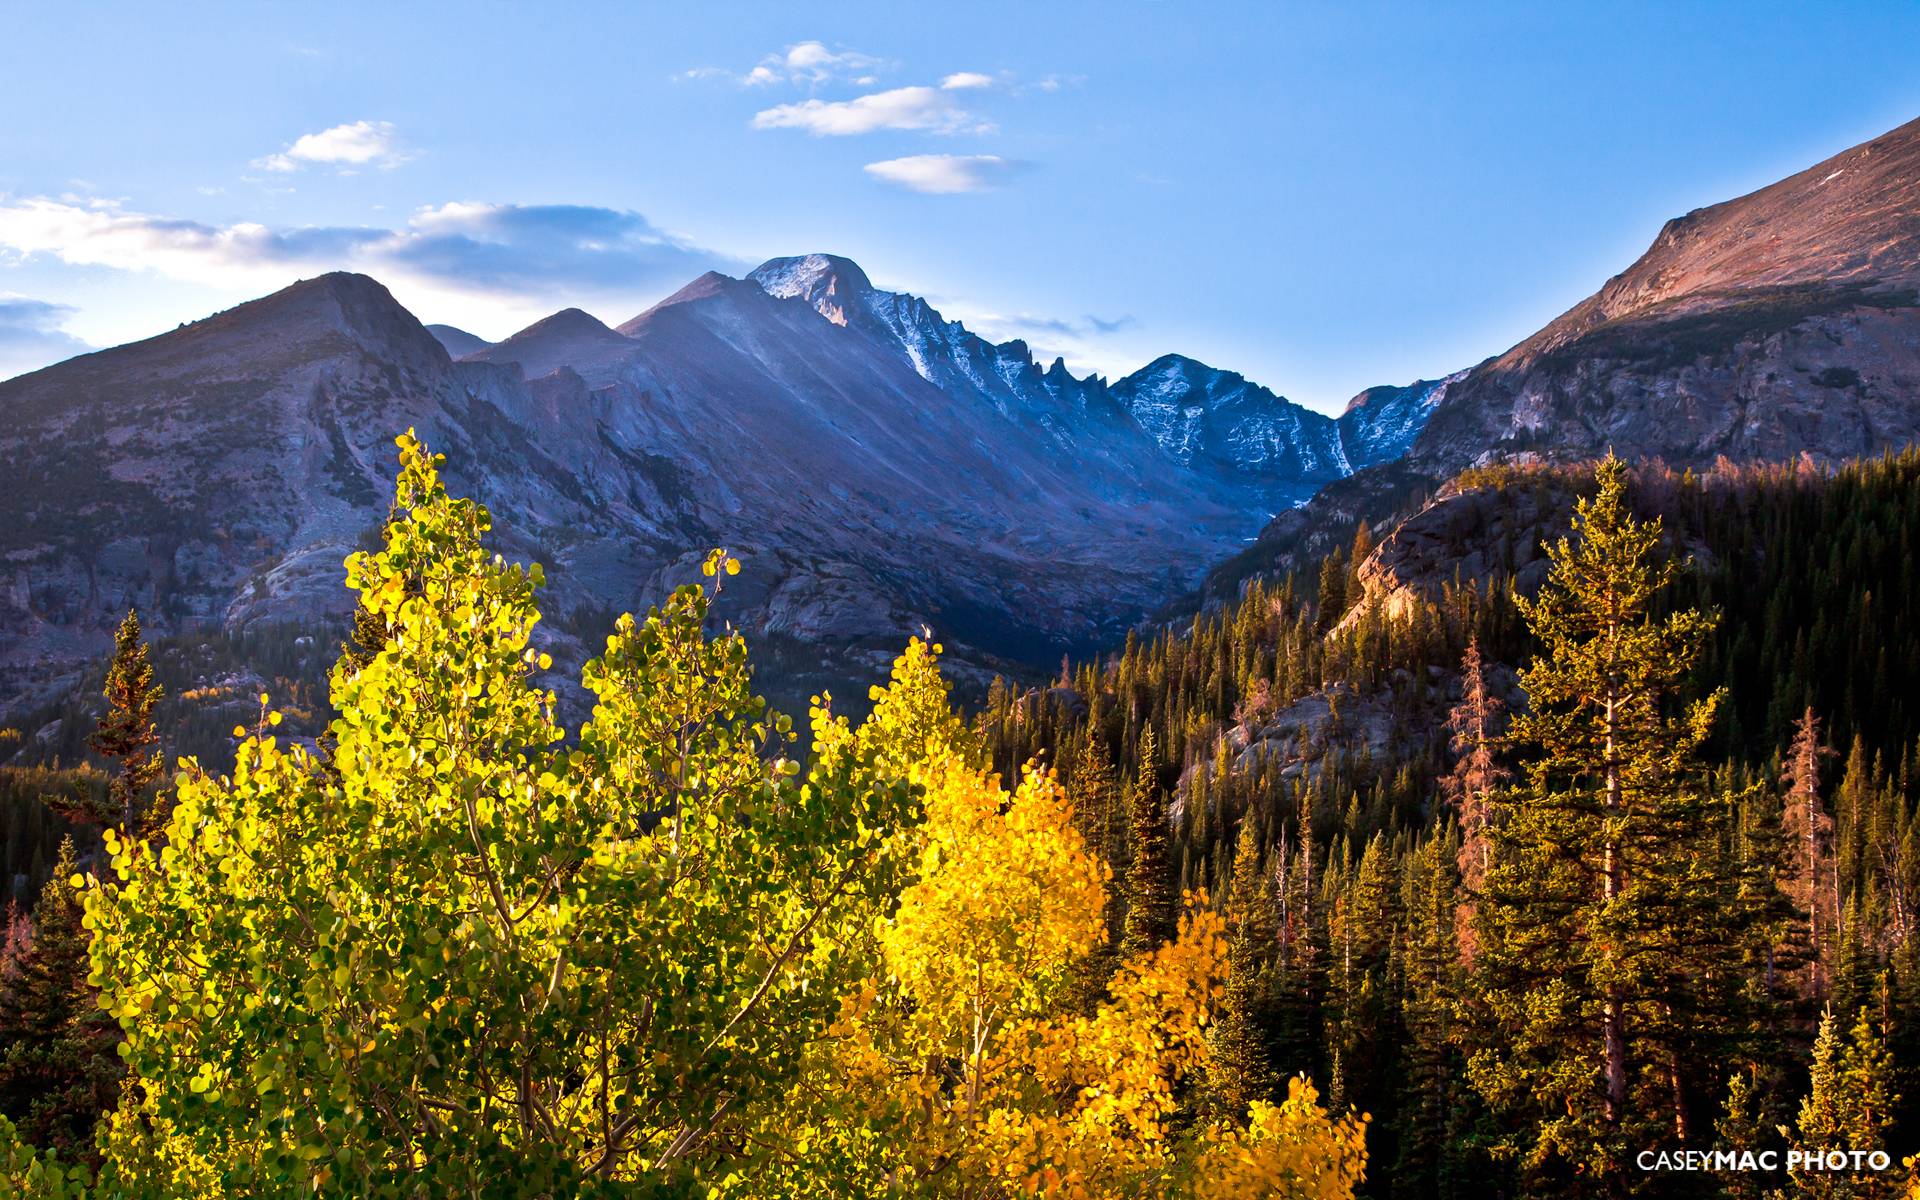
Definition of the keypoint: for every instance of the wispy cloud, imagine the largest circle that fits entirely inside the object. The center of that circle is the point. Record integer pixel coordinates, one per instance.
(946, 174)
(1086, 343)
(932, 110)
(1022, 324)
(31, 337)
(809, 63)
(527, 256)
(343, 147)
(961, 80)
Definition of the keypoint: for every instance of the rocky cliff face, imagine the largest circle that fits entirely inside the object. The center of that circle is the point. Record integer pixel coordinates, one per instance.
(1784, 321)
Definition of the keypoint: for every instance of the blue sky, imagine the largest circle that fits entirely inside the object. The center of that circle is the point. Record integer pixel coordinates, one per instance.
(1323, 197)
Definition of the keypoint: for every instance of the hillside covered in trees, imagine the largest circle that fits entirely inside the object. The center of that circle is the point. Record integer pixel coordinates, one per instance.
(1525, 938)
(1381, 882)
(453, 949)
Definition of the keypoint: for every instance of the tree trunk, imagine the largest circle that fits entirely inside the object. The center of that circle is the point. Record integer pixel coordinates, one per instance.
(1613, 1015)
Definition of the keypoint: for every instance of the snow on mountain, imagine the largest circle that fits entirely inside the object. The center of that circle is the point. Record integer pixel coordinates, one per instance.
(1220, 423)
(1381, 422)
(1261, 450)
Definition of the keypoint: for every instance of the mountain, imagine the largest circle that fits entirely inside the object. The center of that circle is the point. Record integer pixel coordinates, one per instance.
(1257, 451)
(1381, 423)
(1779, 324)
(1785, 321)
(878, 468)
(1219, 422)
(568, 338)
(458, 342)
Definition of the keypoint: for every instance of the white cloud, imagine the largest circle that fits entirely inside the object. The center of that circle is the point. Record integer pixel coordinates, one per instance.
(518, 259)
(966, 79)
(343, 147)
(919, 108)
(946, 174)
(810, 63)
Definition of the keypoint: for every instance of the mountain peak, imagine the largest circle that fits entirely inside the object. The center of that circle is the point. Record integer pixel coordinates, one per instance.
(707, 286)
(812, 277)
(1180, 364)
(352, 296)
(568, 322)
(569, 337)
(339, 303)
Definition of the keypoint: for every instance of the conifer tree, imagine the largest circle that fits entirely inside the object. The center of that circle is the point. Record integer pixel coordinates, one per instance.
(1599, 910)
(1096, 794)
(125, 735)
(58, 1071)
(1741, 1129)
(1867, 1072)
(1099, 818)
(1429, 1103)
(1241, 1070)
(1809, 830)
(1360, 974)
(1153, 903)
(1848, 1105)
(1474, 724)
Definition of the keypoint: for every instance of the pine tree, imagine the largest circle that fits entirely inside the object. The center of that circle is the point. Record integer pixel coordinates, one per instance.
(127, 736)
(1429, 1104)
(1600, 905)
(1809, 831)
(1097, 800)
(1744, 1128)
(1866, 1072)
(1153, 902)
(1361, 974)
(1848, 1105)
(1477, 773)
(58, 1072)
(1241, 1070)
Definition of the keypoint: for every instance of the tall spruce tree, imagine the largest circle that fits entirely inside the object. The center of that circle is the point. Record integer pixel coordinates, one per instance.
(58, 1069)
(1809, 832)
(1241, 1069)
(126, 736)
(1153, 901)
(1098, 811)
(1428, 1157)
(1600, 965)
(1474, 725)
(1848, 1106)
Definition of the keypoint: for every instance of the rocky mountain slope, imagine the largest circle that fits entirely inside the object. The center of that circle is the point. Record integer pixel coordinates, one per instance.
(878, 468)
(1782, 323)
(1785, 321)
